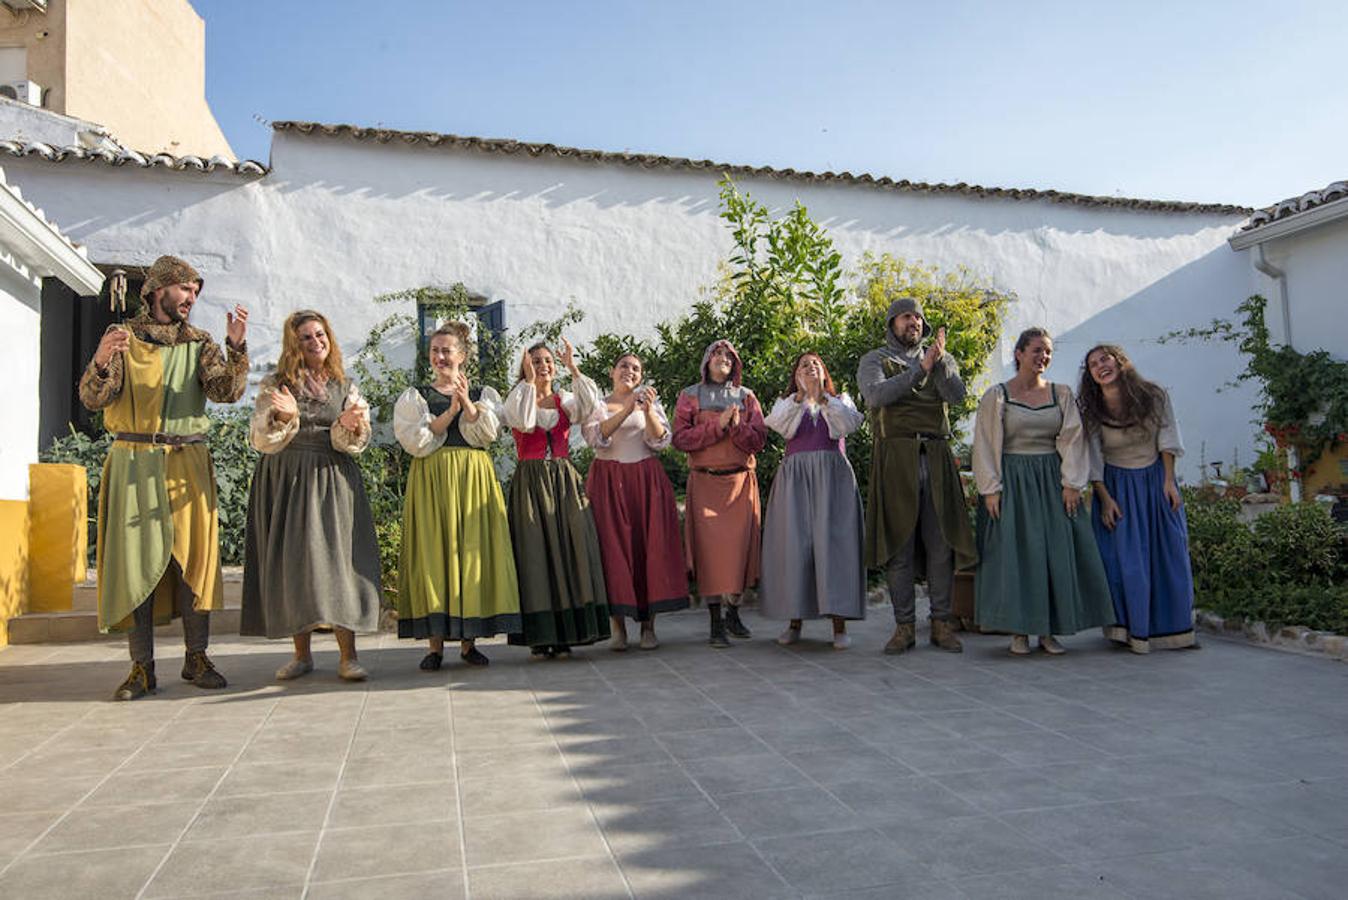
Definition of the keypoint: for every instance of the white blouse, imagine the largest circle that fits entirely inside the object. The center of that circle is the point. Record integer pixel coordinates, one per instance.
(412, 422)
(629, 444)
(521, 410)
(839, 412)
(269, 436)
(989, 436)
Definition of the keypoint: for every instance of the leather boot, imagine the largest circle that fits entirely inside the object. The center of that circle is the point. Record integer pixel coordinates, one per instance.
(734, 626)
(198, 669)
(943, 636)
(905, 638)
(718, 638)
(140, 682)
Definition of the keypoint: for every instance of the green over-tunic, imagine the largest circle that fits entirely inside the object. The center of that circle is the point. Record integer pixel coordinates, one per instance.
(892, 496)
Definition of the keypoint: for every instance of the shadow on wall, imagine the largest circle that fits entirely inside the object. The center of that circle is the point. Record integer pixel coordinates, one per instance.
(346, 167)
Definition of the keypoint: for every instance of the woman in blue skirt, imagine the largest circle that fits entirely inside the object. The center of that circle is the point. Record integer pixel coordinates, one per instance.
(1139, 516)
(1039, 571)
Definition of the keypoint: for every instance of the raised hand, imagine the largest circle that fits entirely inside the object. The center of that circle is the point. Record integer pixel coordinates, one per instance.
(115, 340)
(935, 350)
(283, 405)
(351, 418)
(236, 326)
(569, 357)
(726, 418)
(527, 367)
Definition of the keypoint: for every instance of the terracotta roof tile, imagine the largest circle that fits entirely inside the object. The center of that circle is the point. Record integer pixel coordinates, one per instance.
(650, 161)
(1293, 205)
(52, 153)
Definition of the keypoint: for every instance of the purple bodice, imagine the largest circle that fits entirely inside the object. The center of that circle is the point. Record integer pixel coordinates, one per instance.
(812, 434)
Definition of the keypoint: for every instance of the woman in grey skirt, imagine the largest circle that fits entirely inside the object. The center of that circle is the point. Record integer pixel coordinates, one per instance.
(311, 556)
(812, 564)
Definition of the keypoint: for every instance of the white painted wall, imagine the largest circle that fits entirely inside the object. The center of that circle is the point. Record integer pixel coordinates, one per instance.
(20, 303)
(1315, 263)
(338, 221)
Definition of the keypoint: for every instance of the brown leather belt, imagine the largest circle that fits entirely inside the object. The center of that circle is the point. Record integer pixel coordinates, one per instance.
(168, 440)
(734, 471)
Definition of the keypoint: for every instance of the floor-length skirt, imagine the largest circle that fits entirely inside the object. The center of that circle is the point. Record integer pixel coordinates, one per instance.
(310, 552)
(1146, 559)
(457, 570)
(722, 531)
(638, 527)
(1039, 570)
(561, 571)
(812, 535)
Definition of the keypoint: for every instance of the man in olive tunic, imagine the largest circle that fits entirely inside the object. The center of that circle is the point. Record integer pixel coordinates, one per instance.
(158, 530)
(915, 512)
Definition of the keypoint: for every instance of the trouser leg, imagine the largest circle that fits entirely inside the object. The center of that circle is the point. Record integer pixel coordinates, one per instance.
(940, 555)
(140, 639)
(196, 625)
(900, 574)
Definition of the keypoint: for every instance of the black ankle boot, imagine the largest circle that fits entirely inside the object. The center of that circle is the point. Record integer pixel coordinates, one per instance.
(718, 638)
(733, 624)
(140, 682)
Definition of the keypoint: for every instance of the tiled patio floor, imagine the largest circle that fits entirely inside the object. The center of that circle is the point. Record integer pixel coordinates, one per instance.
(752, 772)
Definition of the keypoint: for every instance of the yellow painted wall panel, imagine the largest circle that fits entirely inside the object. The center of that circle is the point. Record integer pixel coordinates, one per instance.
(13, 563)
(58, 534)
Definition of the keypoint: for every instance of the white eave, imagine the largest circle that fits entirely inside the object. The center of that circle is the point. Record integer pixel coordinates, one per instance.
(1279, 228)
(39, 245)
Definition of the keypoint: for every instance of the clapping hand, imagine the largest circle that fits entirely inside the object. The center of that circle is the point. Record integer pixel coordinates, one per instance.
(352, 418)
(236, 326)
(730, 417)
(645, 398)
(935, 350)
(569, 357)
(283, 405)
(527, 367)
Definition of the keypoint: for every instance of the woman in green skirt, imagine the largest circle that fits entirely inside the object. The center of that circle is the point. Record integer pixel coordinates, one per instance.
(562, 597)
(457, 571)
(1039, 569)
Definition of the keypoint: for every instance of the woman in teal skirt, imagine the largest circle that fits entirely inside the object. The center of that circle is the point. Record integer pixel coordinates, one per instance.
(457, 571)
(1039, 570)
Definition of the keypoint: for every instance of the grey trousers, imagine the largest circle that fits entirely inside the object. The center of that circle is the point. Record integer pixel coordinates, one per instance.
(196, 626)
(940, 559)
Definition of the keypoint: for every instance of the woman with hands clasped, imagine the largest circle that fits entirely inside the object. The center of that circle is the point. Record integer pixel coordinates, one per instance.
(633, 503)
(311, 556)
(1139, 515)
(562, 598)
(812, 565)
(457, 570)
(1039, 570)
(719, 424)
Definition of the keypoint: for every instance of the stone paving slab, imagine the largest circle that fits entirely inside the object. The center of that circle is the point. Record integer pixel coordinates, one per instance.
(757, 771)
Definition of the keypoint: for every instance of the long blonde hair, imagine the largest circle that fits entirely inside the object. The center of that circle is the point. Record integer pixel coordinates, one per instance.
(289, 366)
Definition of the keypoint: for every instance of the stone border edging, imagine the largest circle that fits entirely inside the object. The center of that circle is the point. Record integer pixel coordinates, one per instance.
(1295, 638)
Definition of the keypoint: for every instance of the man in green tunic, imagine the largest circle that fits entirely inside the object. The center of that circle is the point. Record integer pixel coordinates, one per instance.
(158, 530)
(915, 513)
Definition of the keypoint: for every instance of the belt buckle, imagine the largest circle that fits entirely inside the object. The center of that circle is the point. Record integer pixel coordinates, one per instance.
(160, 439)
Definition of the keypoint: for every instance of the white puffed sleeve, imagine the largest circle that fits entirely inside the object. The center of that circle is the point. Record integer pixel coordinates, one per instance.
(1168, 439)
(1071, 441)
(265, 434)
(343, 439)
(412, 424)
(842, 416)
(592, 431)
(520, 409)
(482, 431)
(785, 417)
(987, 461)
(581, 403)
(664, 440)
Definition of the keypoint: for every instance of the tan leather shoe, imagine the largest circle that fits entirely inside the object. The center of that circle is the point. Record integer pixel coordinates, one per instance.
(905, 638)
(943, 636)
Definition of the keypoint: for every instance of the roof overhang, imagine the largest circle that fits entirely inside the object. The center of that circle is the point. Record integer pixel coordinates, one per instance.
(40, 247)
(1302, 221)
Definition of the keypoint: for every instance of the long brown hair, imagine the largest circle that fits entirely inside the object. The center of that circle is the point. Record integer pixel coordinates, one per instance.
(290, 364)
(792, 387)
(1142, 399)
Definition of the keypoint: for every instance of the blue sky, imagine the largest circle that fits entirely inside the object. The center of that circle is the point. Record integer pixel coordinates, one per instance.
(1233, 101)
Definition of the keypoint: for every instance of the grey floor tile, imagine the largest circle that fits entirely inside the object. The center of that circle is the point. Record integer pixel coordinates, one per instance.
(630, 828)
(1004, 790)
(1311, 867)
(1093, 832)
(98, 873)
(966, 846)
(380, 770)
(174, 785)
(447, 885)
(486, 792)
(1059, 883)
(1315, 808)
(948, 755)
(719, 775)
(596, 878)
(119, 826)
(519, 758)
(829, 767)
(528, 836)
(239, 864)
(590, 753)
(387, 850)
(902, 800)
(288, 776)
(688, 745)
(983, 723)
(393, 805)
(621, 785)
(40, 794)
(840, 860)
(223, 818)
(787, 811)
(18, 830)
(896, 729)
(726, 872)
(1203, 874)
(1032, 749)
